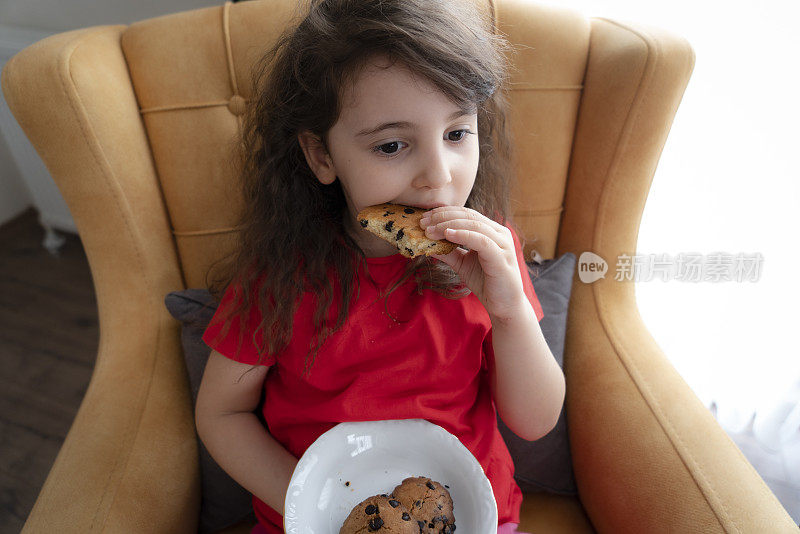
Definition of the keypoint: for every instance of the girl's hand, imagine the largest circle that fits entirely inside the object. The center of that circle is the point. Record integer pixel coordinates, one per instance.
(489, 268)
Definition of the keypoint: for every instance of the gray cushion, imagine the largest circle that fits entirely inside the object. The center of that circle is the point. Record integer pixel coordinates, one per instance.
(223, 501)
(546, 464)
(542, 465)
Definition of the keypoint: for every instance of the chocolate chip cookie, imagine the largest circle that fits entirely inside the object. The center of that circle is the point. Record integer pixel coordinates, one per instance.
(429, 502)
(399, 225)
(380, 513)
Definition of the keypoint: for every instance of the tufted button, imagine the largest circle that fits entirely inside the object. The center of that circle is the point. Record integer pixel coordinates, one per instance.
(237, 104)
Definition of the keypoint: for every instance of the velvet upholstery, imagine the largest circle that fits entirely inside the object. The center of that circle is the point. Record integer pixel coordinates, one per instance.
(134, 123)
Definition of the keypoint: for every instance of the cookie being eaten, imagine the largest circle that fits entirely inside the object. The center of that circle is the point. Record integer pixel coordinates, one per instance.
(399, 225)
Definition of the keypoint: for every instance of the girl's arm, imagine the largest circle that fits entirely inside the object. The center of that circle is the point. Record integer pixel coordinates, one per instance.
(527, 383)
(233, 435)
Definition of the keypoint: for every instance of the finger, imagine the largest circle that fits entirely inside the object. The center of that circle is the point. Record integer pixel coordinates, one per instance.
(437, 231)
(437, 215)
(450, 212)
(486, 247)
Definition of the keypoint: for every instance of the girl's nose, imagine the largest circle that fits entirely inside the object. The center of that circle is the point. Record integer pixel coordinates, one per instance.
(435, 171)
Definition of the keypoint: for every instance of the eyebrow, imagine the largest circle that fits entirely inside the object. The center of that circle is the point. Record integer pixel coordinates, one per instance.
(409, 125)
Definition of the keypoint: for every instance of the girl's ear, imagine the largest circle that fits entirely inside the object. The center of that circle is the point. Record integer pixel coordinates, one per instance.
(317, 157)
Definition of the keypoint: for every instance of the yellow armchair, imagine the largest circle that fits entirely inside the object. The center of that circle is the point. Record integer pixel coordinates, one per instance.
(135, 125)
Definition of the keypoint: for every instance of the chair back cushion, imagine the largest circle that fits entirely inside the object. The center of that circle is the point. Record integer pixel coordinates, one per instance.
(191, 76)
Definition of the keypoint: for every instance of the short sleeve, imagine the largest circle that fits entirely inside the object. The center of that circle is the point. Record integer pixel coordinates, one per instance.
(229, 344)
(527, 285)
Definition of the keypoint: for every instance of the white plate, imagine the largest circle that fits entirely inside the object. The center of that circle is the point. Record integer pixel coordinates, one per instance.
(374, 457)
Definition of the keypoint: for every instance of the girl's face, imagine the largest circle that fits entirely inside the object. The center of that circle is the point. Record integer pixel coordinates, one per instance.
(398, 139)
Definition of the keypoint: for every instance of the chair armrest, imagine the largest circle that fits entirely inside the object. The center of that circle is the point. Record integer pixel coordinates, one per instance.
(647, 455)
(130, 458)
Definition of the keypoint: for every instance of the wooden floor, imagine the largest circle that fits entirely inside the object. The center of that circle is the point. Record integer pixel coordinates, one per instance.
(48, 343)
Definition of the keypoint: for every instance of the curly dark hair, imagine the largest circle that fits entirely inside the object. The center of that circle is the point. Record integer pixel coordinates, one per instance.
(292, 236)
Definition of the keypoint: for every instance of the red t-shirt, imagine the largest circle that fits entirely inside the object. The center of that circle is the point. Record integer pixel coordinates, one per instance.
(370, 370)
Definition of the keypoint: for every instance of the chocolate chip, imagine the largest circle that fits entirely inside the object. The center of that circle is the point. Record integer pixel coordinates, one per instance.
(446, 486)
(375, 523)
(347, 483)
(418, 504)
(430, 525)
(406, 517)
(371, 509)
(439, 506)
(394, 503)
(430, 485)
(389, 226)
(421, 525)
(388, 213)
(400, 234)
(409, 210)
(363, 223)
(410, 251)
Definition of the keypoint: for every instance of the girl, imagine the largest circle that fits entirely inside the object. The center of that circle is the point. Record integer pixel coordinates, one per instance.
(365, 102)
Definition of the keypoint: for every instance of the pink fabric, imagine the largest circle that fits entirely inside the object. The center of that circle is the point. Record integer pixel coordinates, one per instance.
(509, 528)
(505, 528)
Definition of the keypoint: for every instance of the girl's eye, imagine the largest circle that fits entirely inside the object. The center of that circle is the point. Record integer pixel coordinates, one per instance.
(462, 132)
(392, 149)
